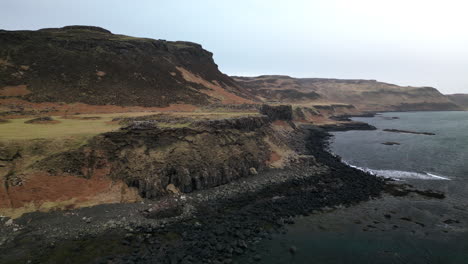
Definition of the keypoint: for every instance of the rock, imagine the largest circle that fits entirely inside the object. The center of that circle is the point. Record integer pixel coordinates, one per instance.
(280, 112)
(409, 132)
(451, 221)
(292, 250)
(219, 247)
(253, 171)
(171, 188)
(9, 222)
(390, 143)
(242, 244)
(238, 251)
(352, 125)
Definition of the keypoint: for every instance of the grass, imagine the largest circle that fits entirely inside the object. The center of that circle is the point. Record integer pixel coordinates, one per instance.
(16, 129)
(215, 114)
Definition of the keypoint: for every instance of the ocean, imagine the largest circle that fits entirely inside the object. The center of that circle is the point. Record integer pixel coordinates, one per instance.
(390, 229)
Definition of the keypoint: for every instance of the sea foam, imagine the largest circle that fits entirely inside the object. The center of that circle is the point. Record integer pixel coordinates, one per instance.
(401, 175)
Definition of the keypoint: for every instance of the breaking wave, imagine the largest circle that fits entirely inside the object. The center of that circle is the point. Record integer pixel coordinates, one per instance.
(401, 175)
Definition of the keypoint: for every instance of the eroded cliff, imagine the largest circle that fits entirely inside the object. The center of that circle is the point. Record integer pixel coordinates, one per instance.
(147, 160)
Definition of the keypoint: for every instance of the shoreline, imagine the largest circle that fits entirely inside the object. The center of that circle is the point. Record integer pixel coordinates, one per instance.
(219, 224)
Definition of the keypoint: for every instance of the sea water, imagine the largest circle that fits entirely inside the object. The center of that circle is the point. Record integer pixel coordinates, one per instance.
(390, 229)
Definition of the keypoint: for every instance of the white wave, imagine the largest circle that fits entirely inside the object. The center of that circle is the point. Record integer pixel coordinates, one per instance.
(398, 175)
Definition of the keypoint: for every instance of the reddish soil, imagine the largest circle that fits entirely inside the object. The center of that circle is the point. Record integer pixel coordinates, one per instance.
(19, 90)
(81, 117)
(64, 191)
(274, 157)
(281, 123)
(61, 109)
(215, 89)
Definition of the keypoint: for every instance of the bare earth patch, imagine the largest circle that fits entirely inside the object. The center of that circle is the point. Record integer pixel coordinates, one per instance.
(60, 109)
(100, 73)
(217, 91)
(19, 90)
(43, 192)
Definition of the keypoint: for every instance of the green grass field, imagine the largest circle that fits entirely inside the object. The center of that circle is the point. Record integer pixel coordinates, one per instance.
(16, 129)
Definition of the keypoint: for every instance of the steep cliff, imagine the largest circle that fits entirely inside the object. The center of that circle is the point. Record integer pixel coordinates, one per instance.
(93, 66)
(365, 95)
(143, 159)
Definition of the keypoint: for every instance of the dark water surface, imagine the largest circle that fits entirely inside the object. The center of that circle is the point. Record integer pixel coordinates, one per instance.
(411, 229)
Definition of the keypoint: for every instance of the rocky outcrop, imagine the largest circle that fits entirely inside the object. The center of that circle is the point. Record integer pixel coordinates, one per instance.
(279, 112)
(352, 125)
(151, 158)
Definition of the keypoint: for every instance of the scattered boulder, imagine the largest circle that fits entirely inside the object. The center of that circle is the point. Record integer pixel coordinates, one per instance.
(253, 171)
(390, 143)
(451, 221)
(171, 188)
(9, 222)
(292, 250)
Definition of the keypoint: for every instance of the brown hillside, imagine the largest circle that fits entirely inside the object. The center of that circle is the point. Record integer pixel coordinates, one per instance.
(460, 99)
(366, 95)
(93, 66)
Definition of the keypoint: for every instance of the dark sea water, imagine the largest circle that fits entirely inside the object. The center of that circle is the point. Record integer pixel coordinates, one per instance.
(391, 229)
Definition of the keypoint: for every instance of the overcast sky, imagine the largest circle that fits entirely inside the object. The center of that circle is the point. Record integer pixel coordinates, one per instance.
(407, 42)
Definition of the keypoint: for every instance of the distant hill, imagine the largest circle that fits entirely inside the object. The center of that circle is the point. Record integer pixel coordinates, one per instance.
(91, 65)
(460, 99)
(367, 95)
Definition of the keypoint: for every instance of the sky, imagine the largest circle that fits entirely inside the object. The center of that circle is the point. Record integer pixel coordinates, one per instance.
(406, 42)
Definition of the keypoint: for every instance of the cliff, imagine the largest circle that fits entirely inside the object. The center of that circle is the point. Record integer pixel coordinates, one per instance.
(144, 159)
(365, 95)
(93, 66)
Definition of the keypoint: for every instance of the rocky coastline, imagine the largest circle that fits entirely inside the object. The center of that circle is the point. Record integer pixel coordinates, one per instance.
(216, 225)
(208, 226)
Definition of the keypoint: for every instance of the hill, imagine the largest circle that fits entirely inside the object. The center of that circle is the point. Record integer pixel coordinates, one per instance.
(93, 66)
(460, 99)
(365, 95)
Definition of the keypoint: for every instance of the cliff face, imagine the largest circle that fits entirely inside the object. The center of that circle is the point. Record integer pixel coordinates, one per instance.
(460, 99)
(365, 95)
(93, 66)
(145, 160)
(190, 158)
